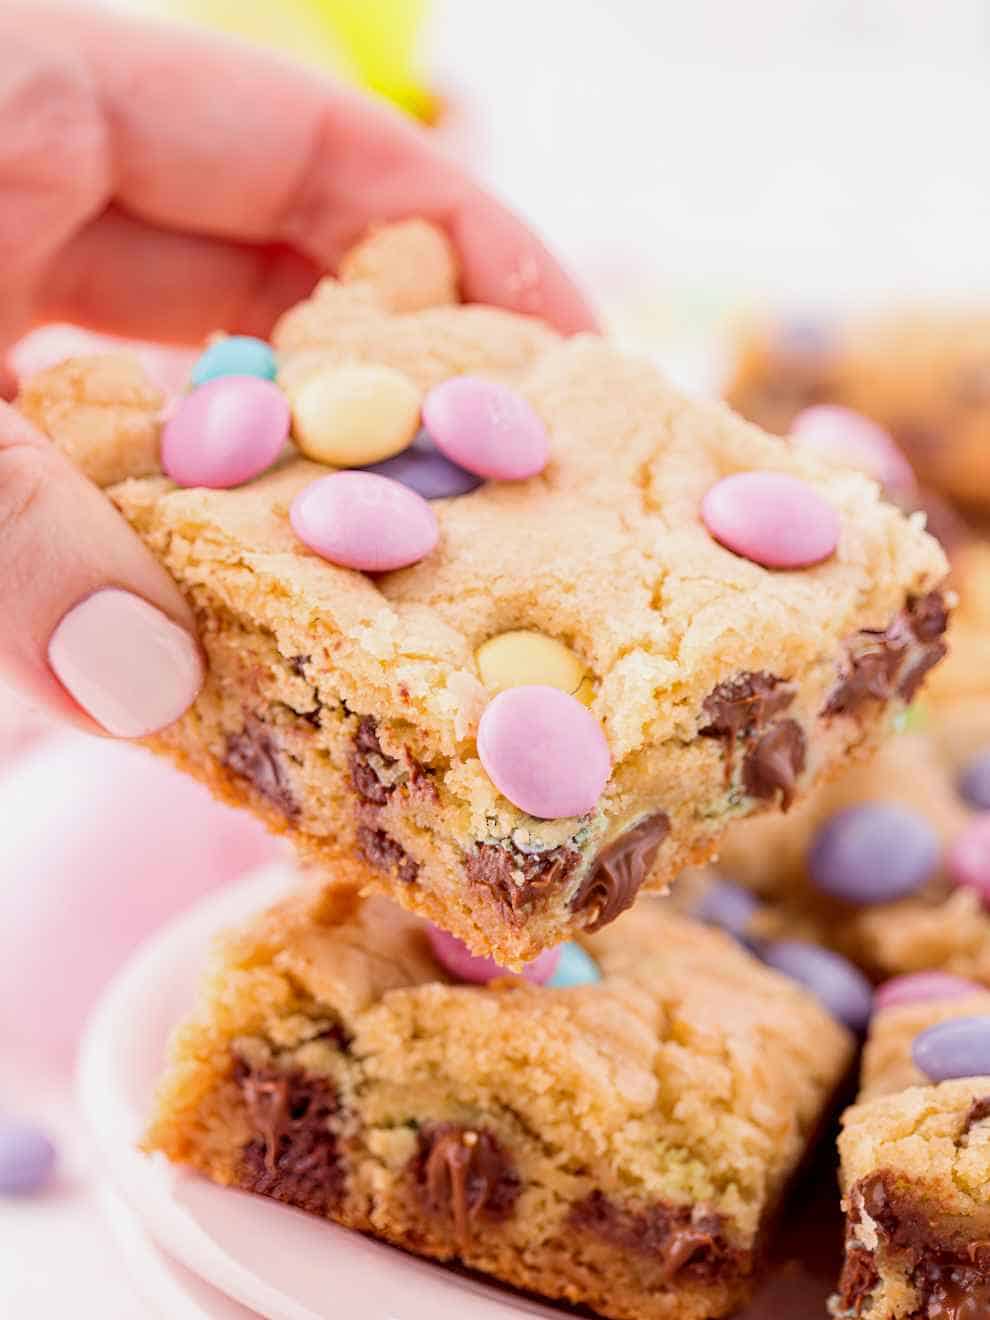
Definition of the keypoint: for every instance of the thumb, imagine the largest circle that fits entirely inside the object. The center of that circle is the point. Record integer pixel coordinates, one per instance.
(93, 628)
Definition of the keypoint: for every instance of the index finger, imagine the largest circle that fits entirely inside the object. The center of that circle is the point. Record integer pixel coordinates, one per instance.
(215, 137)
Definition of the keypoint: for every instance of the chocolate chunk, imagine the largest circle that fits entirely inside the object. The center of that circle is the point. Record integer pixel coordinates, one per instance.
(519, 879)
(859, 1278)
(382, 852)
(775, 762)
(618, 872)
(462, 1174)
(684, 1240)
(892, 660)
(928, 615)
(741, 706)
(293, 1156)
(254, 754)
(979, 1111)
(297, 663)
(364, 776)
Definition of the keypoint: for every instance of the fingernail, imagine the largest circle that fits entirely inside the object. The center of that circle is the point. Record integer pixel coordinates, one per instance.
(128, 665)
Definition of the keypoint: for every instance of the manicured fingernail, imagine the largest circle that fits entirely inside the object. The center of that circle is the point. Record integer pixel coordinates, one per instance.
(128, 665)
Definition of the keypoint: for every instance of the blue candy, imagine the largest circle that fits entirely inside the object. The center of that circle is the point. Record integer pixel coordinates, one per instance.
(27, 1159)
(425, 470)
(575, 968)
(237, 355)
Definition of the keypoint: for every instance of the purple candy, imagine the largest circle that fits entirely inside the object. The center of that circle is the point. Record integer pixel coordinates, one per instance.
(27, 1159)
(919, 987)
(728, 906)
(958, 1048)
(832, 979)
(425, 470)
(968, 862)
(873, 853)
(974, 782)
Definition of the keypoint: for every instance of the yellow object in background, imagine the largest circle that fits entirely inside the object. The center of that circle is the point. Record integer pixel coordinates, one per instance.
(373, 43)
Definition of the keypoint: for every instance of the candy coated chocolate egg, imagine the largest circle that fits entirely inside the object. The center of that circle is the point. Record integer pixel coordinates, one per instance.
(575, 967)
(235, 355)
(27, 1158)
(918, 987)
(847, 437)
(425, 470)
(354, 414)
(457, 959)
(728, 906)
(772, 519)
(544, 751)
(360, 520)
(486, 428)
(873, 853)
(226, 432)
(833, 980)
(512, 659)
(969, 857)
(974, 782)
(957, 1048)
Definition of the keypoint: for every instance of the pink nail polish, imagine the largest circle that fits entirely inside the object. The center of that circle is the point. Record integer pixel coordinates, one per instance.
(126, 663)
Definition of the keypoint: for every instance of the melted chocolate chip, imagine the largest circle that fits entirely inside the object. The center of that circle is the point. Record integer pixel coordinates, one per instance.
(617, 874)
(519, 879)
(684, 1240)
(882, 662)
(293, 1156)
(462, 1174)
(254, 754)
(384, 853)
(775, 762)
(741, 706)
(858, 1279)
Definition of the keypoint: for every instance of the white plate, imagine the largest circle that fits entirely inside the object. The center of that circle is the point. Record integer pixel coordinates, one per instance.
(279, 1262)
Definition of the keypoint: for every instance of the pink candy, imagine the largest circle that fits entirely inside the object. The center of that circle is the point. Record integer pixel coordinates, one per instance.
(486, 428)
(225, 432)
(968, 861)
(917, 987)
(772, 519)
(544, 751)
(451, 954)
(849, 437)
(361, 520)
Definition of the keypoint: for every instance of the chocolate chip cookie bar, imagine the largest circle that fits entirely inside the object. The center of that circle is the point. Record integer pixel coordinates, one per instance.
(915, 1152)
(923, 375)
(624, 620)
(618, 1138)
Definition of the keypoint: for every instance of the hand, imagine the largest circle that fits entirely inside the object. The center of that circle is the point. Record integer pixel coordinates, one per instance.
(159, 182)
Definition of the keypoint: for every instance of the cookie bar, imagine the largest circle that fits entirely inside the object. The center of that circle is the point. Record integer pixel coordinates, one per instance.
(925, 376)
(620, 1143)
(346, 707)
(915, 1157)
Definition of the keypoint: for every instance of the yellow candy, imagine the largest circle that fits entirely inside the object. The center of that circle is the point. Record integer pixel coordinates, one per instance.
(513, 659)
(354, 414)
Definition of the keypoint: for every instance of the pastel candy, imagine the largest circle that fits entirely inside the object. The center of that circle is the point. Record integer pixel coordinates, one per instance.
(957, 1048)
(974, 782)
(354, 414)
(544, 751)
(728, 906)
(486, 428)
(27, 1158)
(772, 519)
(425, 470)
(360, 520)
(575, 967)
(847, 437)
(968, 861)
(235, 355)
(515, 658)
(834, 981)
(457, 959)
(918, 987)
(226, 432)
(873, 853)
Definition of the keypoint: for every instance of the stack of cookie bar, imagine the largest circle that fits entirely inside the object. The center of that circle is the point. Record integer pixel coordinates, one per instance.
(503, 632)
